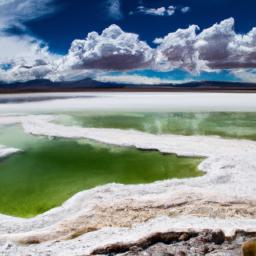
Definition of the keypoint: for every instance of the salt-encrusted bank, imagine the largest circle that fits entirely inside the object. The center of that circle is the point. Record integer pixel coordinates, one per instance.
(225, 198)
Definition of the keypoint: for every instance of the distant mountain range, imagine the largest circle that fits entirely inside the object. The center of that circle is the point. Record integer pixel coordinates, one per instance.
(93, 85)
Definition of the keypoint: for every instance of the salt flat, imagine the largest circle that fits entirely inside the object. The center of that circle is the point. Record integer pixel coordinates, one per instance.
(130, 101)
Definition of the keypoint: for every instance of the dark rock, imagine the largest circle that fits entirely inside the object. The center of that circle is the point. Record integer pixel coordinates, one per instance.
(184, 237)
(218, 237)
(206, 243)
(181, 253)
(135, 249)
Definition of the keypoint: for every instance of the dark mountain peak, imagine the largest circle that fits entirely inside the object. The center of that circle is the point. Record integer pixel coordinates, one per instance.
(43, 85)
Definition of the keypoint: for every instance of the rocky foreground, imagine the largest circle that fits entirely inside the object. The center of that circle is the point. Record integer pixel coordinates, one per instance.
(182, 244)
(209, 215)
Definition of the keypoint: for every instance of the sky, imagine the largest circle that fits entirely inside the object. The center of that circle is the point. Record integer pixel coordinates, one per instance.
(133, 41)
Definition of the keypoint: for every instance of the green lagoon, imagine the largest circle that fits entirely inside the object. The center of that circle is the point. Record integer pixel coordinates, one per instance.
(230, 125)
(49, 172)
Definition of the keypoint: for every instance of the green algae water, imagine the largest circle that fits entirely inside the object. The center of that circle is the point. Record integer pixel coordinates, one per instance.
(231, 125)
(49, 172)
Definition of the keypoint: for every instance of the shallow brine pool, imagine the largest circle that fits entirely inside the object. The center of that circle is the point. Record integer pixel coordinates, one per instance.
(49, 171)
(226, 124)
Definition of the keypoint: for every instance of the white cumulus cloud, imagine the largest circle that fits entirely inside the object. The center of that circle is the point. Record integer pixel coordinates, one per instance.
(15, 12)
(177, 50)
(161, 11)
(35, 62)
(26, 56)
(215, 48)
(245, 75)
(222, 48)
(114, 49)
(134, 79)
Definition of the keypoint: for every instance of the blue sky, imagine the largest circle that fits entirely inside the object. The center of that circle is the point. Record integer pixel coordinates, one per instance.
(76, 18)
(36, 38)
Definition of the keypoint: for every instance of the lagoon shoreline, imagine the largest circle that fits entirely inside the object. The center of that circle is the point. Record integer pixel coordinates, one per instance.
(107, 216)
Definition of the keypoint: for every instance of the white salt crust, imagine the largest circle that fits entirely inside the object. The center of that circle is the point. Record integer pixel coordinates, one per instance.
(230, 174)
(5, 151)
